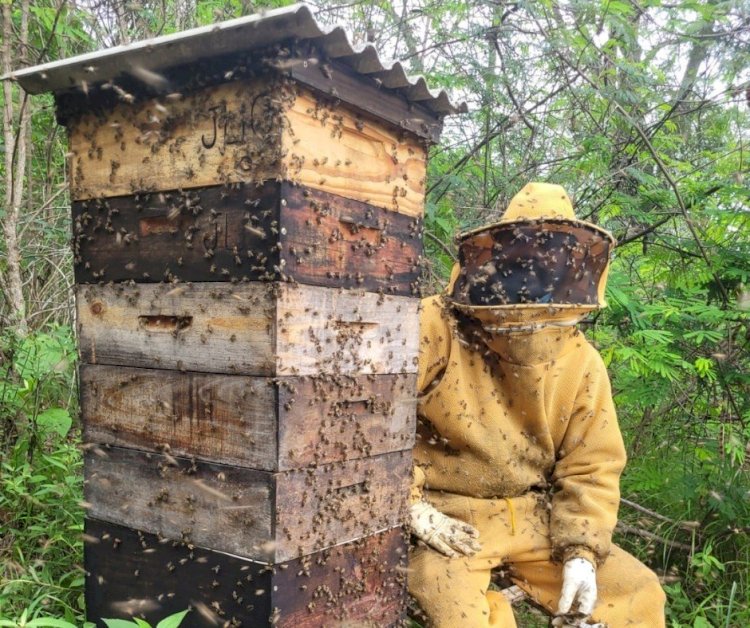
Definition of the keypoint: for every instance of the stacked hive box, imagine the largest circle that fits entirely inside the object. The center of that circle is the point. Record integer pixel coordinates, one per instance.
(247, 245)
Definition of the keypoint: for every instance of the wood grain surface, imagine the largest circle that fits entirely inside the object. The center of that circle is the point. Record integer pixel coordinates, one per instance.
(364, 93)
(215, 233)
(210, 327)
(328, 419)
(331, 504)
(246, 131)
(329, 240)
(226, 133)
(247, 328)
(258, 422)
(228, 233)
(332, 149)
(268, 517)
(218, 418)
(345, 332)
(218, 506)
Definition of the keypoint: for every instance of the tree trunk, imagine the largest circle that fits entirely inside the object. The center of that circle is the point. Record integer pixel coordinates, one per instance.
(15, 166)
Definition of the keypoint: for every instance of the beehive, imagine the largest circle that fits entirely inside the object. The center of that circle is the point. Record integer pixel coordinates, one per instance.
(247, 205)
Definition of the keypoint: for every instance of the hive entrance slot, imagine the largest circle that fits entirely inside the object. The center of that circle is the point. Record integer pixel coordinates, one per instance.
(359, 407)
(356, 225)
(157, 225)
(364, 401)
(352, 489)
(159, 322)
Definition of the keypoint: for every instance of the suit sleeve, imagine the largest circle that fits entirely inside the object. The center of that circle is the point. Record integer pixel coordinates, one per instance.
(434, 349)
(434, 343)
(587, 473)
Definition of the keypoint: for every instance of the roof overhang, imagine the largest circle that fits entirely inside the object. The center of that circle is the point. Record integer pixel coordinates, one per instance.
(241, 35)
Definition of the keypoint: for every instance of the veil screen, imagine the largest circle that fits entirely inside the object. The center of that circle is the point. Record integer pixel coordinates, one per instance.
(537, 262)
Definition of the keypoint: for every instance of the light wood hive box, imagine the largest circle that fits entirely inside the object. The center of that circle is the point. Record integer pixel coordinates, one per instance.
(247, 229)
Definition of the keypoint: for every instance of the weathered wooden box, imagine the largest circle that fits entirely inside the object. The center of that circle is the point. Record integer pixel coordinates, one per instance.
(138, 574)
(249, 328)
(258, 128)
(267, 517)
(259, 422)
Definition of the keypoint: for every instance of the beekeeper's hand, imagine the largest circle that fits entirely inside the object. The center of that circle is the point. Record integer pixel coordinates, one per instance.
(447, 535)
(579, 584)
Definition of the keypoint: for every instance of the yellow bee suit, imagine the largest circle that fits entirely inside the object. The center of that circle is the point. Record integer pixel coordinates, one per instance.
(518, 437)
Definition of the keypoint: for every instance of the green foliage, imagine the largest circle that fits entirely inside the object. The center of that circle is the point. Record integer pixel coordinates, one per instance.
(42, 521)
(36, 387)
(173, 621)
(440, 226)
(703, 490)
(38, 622)
(41, 484)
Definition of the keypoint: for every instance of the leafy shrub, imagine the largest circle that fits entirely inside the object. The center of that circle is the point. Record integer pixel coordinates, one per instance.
(37, 387)
(173, 621)
(41, 483)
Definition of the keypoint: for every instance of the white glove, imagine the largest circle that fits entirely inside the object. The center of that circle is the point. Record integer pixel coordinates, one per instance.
(579, 583)
(447, 535)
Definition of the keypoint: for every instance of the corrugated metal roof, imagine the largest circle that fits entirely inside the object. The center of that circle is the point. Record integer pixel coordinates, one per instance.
(242, 34)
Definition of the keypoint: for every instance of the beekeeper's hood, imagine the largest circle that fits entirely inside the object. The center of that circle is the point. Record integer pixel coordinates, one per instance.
(538, 266)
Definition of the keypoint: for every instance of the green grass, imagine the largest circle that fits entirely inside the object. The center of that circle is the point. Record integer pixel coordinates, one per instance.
(707, 492)
(41, 550)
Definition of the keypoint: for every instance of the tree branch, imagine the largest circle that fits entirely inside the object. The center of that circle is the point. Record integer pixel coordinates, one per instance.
(685, 525)
(663, 169)
(645, 534)
(442, 245)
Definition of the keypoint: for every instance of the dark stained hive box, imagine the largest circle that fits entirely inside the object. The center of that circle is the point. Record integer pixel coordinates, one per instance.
(135, 573)
(276, 231)
(247, 207)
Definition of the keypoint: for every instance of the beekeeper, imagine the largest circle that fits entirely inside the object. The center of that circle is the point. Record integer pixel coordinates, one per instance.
(518, 453)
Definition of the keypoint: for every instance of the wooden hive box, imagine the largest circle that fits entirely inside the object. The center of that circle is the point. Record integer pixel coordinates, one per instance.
(267, 517)
(276, 231)
(361, 583)
(249, 328)
(247, 219)
(262, 423)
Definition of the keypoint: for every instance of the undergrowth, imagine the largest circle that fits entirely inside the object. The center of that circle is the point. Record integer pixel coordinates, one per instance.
(41, 482)
(41, 551)
(704, 557)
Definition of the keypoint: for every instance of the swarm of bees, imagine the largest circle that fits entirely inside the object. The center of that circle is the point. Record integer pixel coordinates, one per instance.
(249, 337)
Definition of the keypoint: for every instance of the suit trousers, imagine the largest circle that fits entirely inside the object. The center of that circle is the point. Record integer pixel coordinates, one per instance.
(514, 533)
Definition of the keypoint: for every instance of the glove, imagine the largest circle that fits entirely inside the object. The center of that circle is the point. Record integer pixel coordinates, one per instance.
(579, 583)
(447, 535)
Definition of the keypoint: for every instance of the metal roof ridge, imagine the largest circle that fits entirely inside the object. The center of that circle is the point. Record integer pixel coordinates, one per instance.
(158, 41)
(362, 58)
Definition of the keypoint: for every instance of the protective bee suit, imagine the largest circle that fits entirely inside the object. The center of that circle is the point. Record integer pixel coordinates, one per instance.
(518, 453)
